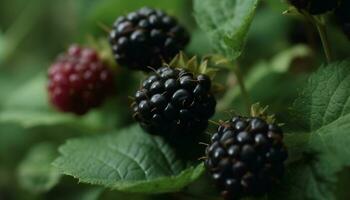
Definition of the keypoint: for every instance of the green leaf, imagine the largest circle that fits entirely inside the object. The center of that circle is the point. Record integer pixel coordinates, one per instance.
(31, 93)
(199, 44)
(326, 98)
(227, 23)
(29, 107)
(128, 160)
(323, 110)
(35, 173)
(263, 33)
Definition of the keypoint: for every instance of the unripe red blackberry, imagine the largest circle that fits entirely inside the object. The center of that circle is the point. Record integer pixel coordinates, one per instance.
(79, 81)
(146, 37)
(315, 7)
(174, 103)
(246, 157)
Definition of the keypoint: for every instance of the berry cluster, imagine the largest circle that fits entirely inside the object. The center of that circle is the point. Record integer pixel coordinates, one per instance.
(173, 103)
(315, 7)
(246, 157)
(146, 38)
(79, 81)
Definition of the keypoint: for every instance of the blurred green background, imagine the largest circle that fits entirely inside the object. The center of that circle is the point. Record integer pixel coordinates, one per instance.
(34, 32)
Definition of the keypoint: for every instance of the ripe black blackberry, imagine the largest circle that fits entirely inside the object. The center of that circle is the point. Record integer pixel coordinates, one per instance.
(174, 102)
(246, 157)
(315, 7)
(79, 81)
(146, 37)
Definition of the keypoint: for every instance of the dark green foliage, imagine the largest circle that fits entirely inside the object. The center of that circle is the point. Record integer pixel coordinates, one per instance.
(343, 16)
(315, 7)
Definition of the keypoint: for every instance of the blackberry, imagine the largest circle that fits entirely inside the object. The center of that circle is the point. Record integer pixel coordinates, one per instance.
(315, 7)
(174, 102)
(78, 80)
(246, 157)
(146, 37)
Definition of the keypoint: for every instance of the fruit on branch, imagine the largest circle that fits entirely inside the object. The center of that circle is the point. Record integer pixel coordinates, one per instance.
(174, 103)
(246, 157)
(146, 37)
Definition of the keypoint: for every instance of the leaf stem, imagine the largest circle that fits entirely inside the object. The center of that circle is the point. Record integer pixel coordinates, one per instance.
(242, 87)
(322, 31)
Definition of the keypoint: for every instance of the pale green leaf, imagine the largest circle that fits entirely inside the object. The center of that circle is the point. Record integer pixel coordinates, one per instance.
(127, 160)
(227, 23)
(28, 106)
(35, 173)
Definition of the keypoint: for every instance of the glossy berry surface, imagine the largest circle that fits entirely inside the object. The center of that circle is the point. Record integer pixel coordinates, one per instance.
(146, 37)
(246, 157)
(173, 103)
(315, 7)
(78, 81)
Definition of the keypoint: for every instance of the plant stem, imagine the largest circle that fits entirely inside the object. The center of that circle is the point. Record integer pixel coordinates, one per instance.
(242, 87)
(322, 31)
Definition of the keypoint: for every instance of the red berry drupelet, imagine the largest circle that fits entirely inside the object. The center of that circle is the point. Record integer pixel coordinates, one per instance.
(146, 37)
(79, 81)
(174, 103)
(246, 157)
